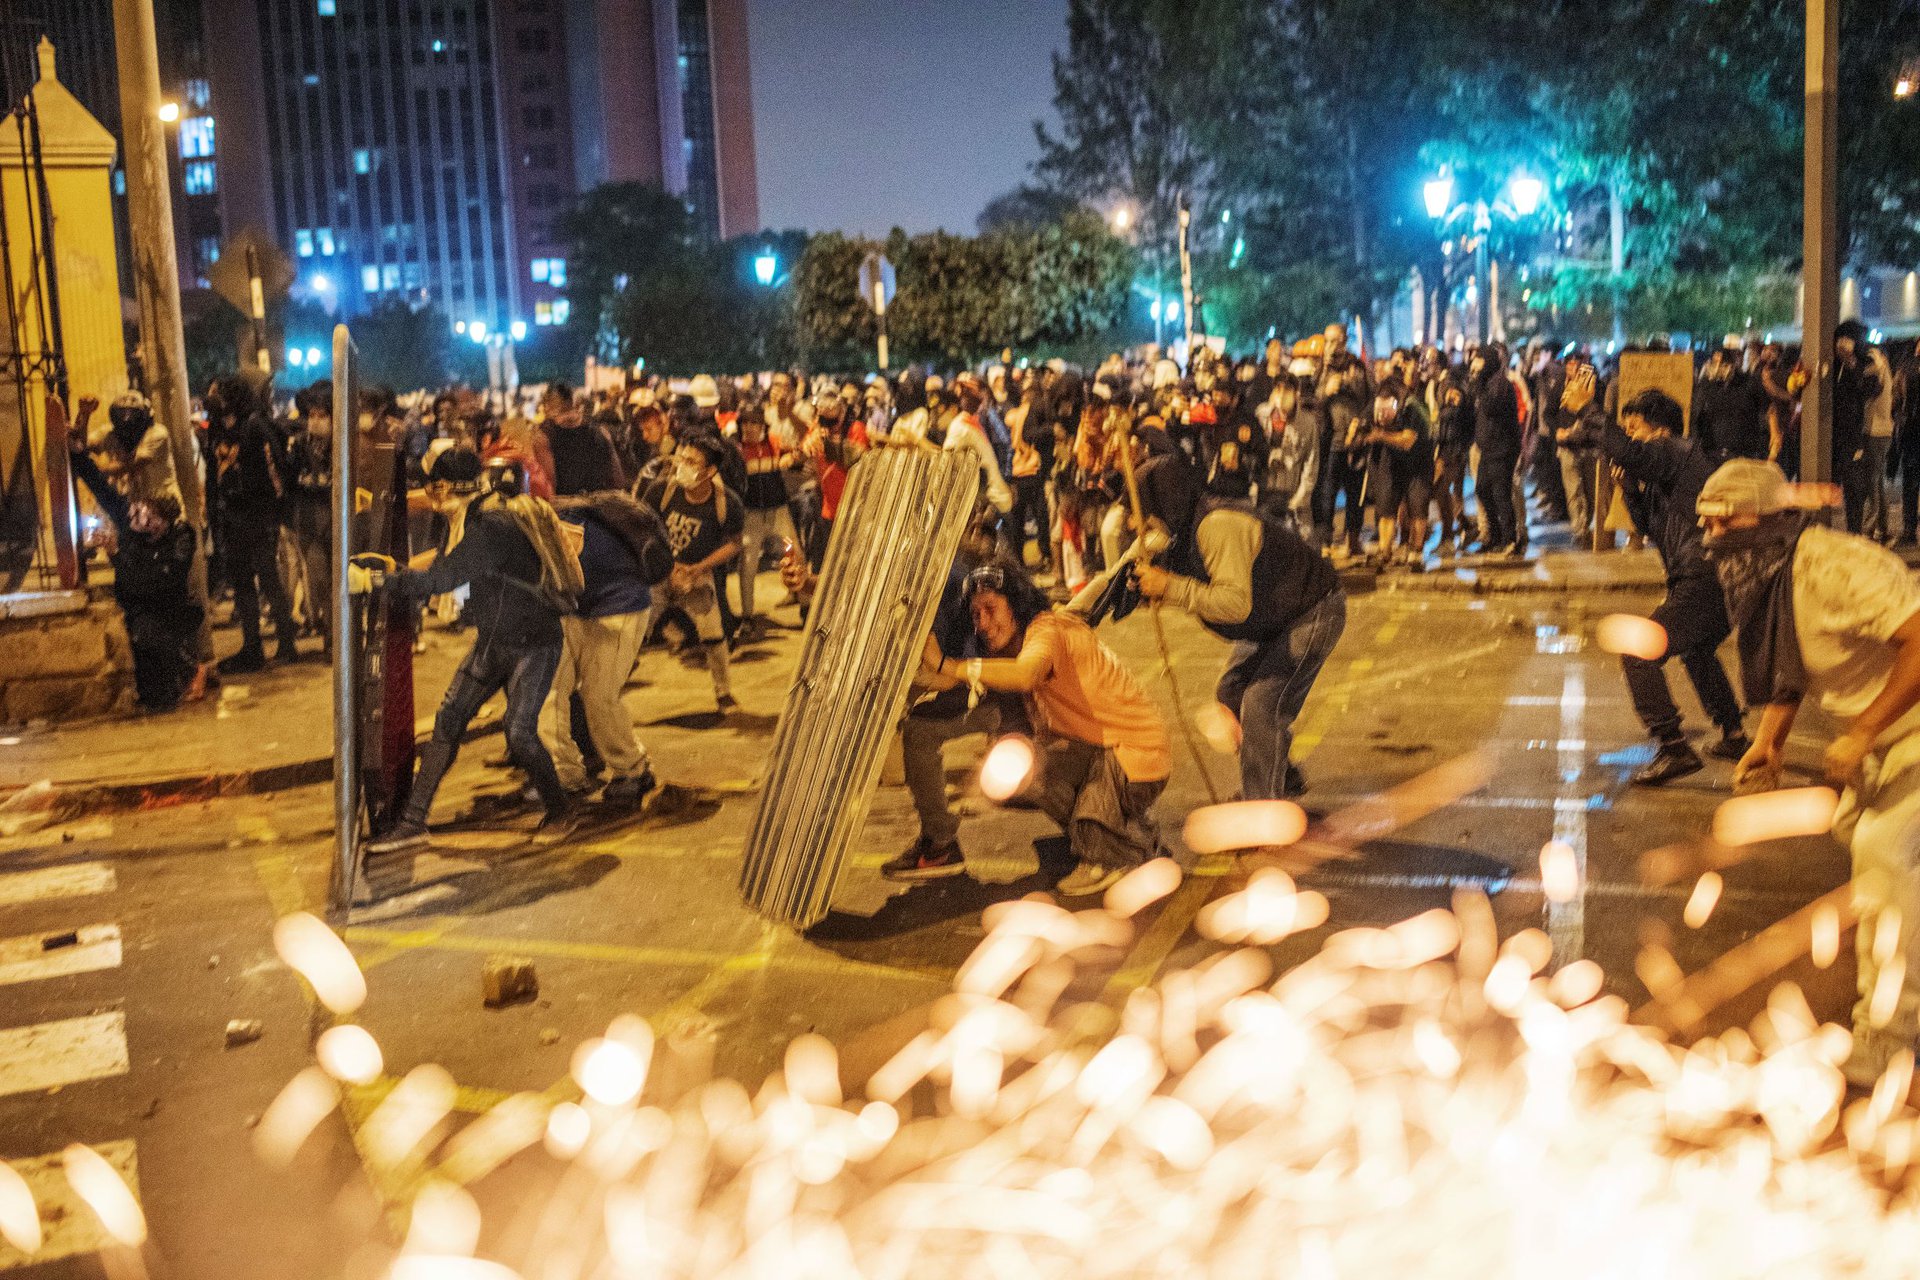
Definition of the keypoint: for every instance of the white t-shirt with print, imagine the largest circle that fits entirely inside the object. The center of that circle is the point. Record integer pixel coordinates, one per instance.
(1849, 597)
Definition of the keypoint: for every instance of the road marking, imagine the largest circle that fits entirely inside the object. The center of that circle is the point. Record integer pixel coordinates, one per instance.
(69, 1226)
(73, 881)
(48, 1054)
(98, 829)
(612, 953)
(28, 959)
(1567, 921)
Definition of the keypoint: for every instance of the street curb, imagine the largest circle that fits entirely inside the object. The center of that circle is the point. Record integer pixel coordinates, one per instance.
(1453, 584)
(137, 795)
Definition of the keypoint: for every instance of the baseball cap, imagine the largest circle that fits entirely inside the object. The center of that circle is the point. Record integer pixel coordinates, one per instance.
(1745, 486)
(705, 392)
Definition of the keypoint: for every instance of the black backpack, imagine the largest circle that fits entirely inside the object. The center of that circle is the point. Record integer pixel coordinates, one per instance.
(636, 524)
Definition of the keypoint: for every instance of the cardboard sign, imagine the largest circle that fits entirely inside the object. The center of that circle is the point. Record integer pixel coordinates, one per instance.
(1668, 371)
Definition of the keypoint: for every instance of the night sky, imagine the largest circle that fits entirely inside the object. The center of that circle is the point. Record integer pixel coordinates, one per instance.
(870, 114)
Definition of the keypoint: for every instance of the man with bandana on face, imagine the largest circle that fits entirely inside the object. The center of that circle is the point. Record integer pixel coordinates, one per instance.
(704, 521)
(1834, 617)
(1664, 472)
(1401, 469)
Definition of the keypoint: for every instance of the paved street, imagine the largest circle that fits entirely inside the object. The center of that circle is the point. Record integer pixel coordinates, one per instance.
(115, 1037)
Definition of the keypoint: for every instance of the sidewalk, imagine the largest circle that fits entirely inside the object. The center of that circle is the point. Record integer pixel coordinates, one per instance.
(1546, 571)
(259, 732)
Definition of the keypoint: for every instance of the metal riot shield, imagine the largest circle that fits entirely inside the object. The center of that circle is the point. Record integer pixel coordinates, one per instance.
(893, 541)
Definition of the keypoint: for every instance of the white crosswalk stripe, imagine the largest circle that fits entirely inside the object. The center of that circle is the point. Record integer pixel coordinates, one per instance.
(69, 1227)
(61, 1052)
(74, 881)
(59, 954)
(49, 1054)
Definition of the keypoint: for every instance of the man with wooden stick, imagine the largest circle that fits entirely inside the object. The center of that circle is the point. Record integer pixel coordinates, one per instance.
(1252, 580)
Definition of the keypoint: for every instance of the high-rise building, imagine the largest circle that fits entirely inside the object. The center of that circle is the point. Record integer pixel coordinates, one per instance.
(424, 151)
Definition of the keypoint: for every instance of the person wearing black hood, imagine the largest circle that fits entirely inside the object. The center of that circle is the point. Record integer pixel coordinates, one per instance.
(1497, 435)
(1856, 382)
(1250, 579)
(1665, 470)
(1401, 469)
(248, 487)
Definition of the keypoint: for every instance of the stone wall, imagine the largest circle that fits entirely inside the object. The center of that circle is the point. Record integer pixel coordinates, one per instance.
(62, 657)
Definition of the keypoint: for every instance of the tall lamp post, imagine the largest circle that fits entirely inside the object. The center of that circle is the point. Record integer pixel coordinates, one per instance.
(1520, 201)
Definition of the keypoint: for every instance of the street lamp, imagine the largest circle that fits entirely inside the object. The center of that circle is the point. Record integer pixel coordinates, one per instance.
(519, 330)
(169, 112)
(1523, 197)
(1122, 219)
(764, 267)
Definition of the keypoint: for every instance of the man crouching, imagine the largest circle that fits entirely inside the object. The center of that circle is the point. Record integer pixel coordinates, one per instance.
(1102, 748)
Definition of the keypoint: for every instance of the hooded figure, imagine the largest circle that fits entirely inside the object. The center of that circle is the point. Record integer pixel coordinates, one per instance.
(1250, 579)
(1497, 434)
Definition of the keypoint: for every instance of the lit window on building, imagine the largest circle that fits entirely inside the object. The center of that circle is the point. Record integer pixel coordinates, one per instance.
(200, 179)
(323, 240)
(390, 276)
(199, 93)
(326, 8)
(362, 160)
(119, 182)
(543, 313)
(561, 309)
(196, 137)
(303, 242)
(370, 279)
(207, 249)
(539, 271)
(557, 272)
(311, 79)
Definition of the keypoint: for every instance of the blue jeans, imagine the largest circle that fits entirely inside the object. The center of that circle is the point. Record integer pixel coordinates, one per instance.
(1265, 685)
(526, 672)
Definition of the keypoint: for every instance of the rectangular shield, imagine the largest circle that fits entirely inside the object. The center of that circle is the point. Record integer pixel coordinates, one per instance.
(893, 541)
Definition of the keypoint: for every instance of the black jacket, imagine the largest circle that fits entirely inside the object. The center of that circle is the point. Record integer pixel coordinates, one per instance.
(1730, 416)
(1496, 413)
(496, 559)
(1668, 474)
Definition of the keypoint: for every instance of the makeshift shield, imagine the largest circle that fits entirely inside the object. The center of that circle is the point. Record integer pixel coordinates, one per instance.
(893, 542)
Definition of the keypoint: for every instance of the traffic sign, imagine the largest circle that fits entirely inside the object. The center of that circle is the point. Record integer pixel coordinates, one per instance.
(875, 268)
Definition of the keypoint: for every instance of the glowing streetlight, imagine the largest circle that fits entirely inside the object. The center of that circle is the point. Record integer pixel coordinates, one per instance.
(319, 282)
(477, 331)
(1122, 218)
(1525, 191)
(519, 330)
(1903, 87)
(313, 357)
(169, 112)
(296, 357)
(1439, 195)
(764, 267)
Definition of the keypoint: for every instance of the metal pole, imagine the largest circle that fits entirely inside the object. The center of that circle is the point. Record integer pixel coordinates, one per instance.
(346, 745)
(1820, 247)
(880, 315)
(156, 271)
(1617, 224)
(1186, 284)
(257, 296)
(1482, 235)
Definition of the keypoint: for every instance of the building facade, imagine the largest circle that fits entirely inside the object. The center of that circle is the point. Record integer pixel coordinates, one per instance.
(424, 151)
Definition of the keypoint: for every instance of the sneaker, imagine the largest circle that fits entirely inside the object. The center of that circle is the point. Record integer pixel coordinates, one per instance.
(1673, 760)
(403, 835)
(1087, 879)
(1732, 746)
(629, 792)
(243, 663)
(556, 826)
(925, 861)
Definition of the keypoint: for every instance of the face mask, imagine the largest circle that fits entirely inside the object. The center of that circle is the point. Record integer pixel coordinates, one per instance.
(686, 474)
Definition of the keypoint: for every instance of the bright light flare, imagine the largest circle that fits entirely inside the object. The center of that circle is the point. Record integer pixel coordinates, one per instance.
(1631, 635)
(446, 1220)
(1245, 824)
(1559, 871)
(568, 1128)
(19, 1216)
(1775, 815)
(613, 1070)
(1823, 945)
(1705, 896)
(1219, 727)
(1007, 769)
(112, 1201)
(317, 954)
(293, 1115)
(1141, 887)
(349, 1053)
(421, 1266)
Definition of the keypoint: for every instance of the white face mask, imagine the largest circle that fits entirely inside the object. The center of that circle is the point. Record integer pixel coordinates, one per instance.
(686, 474)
